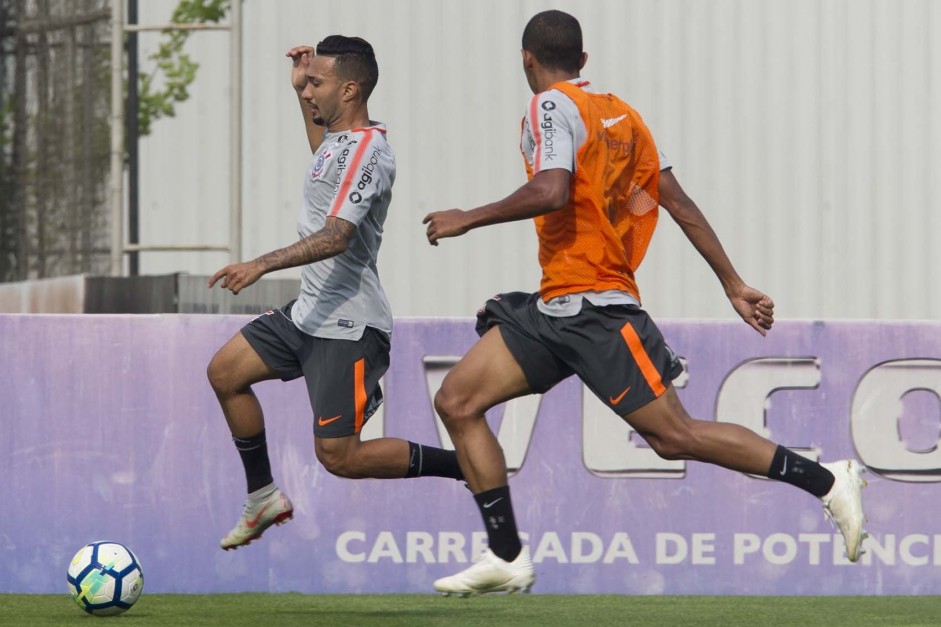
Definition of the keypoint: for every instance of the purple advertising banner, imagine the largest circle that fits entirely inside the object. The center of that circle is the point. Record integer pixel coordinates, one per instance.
(110, 431)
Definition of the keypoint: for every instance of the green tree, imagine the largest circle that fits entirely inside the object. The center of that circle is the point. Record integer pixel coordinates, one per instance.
(166, 84)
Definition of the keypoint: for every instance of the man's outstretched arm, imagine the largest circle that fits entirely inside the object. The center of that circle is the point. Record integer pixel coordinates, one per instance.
(546, 192)
(756, 308)
(329, 241)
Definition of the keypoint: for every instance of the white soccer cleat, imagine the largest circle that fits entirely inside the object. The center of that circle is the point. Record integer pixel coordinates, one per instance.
(843, 504)
(275, 509)
(489, 573)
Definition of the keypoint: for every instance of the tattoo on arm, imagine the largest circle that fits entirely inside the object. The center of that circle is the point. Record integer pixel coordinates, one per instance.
(329, 241)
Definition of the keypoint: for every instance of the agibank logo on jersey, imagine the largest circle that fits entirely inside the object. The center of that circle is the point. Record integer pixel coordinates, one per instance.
(319, 164)
(548, 131)
(366, 172)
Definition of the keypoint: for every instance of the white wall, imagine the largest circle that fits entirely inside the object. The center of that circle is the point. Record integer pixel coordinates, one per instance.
(802, 128)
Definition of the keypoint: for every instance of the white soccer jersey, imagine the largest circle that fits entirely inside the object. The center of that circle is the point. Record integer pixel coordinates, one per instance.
(351, 178)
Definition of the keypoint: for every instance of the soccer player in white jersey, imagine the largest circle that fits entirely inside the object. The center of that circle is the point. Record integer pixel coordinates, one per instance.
(336, 334)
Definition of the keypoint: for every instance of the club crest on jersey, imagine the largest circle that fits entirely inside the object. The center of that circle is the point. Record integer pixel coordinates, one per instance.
(318, 165)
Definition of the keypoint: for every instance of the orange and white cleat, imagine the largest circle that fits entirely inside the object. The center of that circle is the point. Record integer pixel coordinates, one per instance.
(273, 509)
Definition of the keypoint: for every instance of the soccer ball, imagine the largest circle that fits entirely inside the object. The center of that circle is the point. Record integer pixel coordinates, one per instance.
(105, 578)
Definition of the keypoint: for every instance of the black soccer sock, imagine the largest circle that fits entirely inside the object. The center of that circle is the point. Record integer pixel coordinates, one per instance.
(254, 453)
(497, 511)
(789, 467)
(428, 461)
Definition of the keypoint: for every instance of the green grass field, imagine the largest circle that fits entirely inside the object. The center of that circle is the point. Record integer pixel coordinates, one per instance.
(260, 610)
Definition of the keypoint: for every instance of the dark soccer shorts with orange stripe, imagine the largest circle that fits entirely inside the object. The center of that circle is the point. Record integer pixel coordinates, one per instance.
(342, 376)
(616, 350)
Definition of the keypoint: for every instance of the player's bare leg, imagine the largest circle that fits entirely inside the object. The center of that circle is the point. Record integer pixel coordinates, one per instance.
(486, 376)
(349, 457)
(384, 458)
(232, 371)
(673, 434)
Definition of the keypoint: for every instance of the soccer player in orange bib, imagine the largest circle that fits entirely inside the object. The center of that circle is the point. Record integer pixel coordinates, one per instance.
(596, 181)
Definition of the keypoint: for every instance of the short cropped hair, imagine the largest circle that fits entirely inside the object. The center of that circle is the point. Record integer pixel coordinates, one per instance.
(355, 61)
(555, 39)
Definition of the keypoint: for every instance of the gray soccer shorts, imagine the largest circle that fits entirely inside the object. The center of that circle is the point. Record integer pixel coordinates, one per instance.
(616, 350)
(342, 376)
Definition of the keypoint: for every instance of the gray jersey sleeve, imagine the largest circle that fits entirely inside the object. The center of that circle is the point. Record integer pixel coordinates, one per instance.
(553, 131)
(664, 161)
(363, 174)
